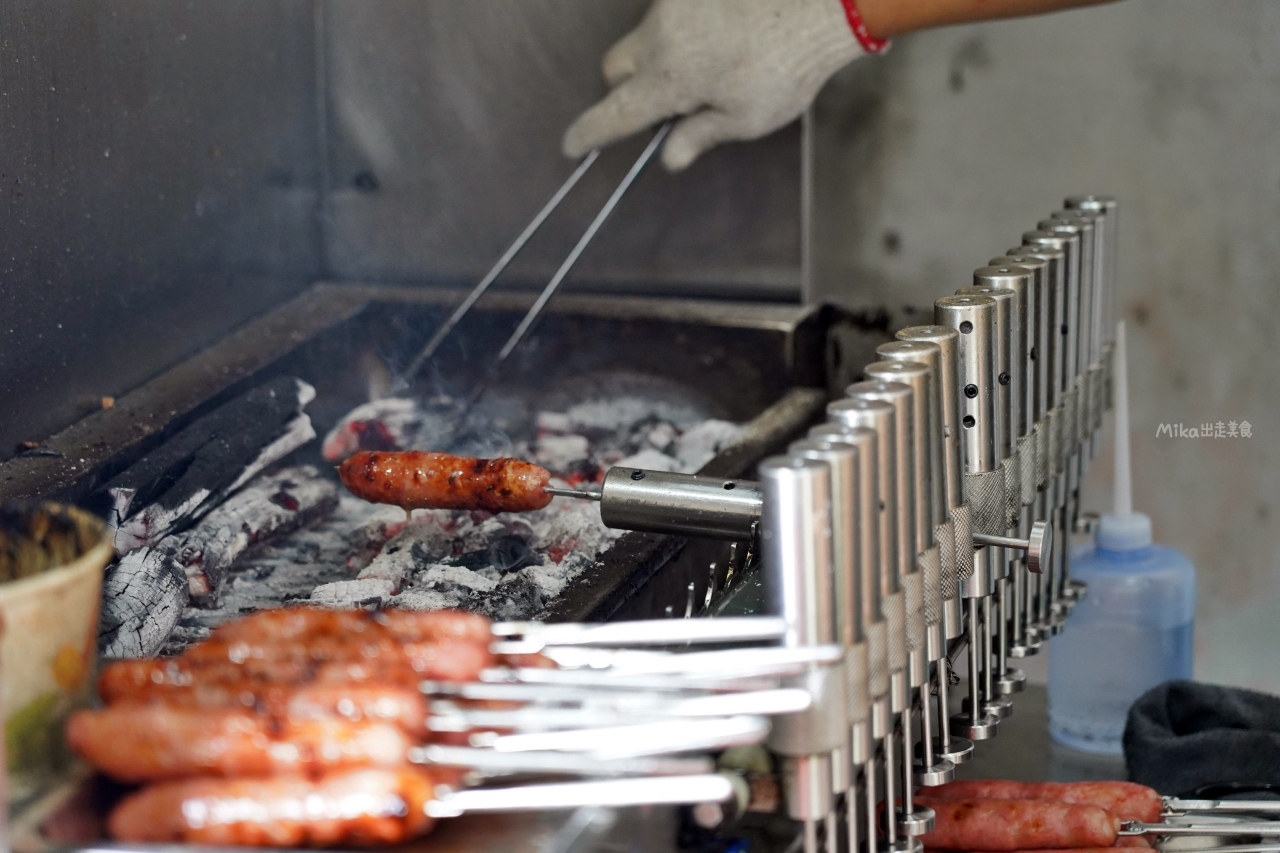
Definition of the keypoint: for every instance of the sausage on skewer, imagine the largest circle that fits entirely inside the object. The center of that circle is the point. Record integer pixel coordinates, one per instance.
(1125, 800)
(139, 743)
(416, 479)
(1009, 825)
(355, 807)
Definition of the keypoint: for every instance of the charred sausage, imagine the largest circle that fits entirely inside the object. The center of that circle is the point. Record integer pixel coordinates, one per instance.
(416, 479)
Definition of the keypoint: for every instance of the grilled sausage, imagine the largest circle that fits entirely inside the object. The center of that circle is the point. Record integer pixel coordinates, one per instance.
(271, 649)
(1125, 800)
(305, 623)
(415, 479)
(254, 682)
(139, 743)
(1007, 825)
(359, 807)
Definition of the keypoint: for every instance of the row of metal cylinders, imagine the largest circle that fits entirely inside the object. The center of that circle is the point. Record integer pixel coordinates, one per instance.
(977, 427)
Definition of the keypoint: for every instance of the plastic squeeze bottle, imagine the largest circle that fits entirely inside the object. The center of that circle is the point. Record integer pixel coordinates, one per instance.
(1133, 628)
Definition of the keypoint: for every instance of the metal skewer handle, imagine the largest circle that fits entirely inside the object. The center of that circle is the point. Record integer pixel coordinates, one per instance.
(706, 788)
(1176, 805)
(1269, 829)
(647, 632)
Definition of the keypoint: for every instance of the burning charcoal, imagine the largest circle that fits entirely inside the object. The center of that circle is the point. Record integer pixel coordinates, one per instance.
(623, 414)
(357, 593)
(517, 597)
(285, 501)
(558, 452)
(389, 424)
(660, 435)
(422, 599)
(698, 445)
(139, 605)
(444, 577)
(650, 460)
(420, 543)
(367, 540)
(582, 471)
(143, 596)
(509, 553)
(554, 422)
(196, 469)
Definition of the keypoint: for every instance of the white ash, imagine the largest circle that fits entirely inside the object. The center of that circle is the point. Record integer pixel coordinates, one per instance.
(554, 422)
(699, 444)
(561, 541)
(281, 572)
(442, 574)
(367, 538)
(558, 452)
(357, 593)
(661, 436)
(651, 460)
(608, 415)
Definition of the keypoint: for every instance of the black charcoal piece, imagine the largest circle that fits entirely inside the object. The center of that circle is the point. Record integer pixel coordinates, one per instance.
(267, 507)
(193, 471)
(508, 553)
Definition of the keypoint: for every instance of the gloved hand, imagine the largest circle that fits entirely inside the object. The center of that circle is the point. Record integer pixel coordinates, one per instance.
(737, 69)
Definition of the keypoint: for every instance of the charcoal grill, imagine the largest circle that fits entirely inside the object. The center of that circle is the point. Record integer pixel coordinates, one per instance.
(765, 364)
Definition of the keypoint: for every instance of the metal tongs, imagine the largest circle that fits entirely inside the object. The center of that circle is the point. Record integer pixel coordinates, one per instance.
(531, 317)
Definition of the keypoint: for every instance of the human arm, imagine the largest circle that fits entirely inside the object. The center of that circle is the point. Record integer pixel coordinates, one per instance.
(739, 69)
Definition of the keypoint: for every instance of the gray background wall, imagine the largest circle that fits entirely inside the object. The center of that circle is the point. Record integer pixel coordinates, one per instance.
(937, 158)
(254, 147)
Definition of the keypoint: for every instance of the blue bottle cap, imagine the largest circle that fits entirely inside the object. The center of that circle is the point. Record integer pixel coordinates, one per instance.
(1130, 531)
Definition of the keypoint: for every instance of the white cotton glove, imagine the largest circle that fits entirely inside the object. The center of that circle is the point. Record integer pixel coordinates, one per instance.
(737, 69)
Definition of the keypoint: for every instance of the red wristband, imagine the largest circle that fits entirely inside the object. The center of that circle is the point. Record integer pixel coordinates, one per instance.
(869, 43)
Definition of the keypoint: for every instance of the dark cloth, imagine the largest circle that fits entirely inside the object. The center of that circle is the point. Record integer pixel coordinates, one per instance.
(1183, 735)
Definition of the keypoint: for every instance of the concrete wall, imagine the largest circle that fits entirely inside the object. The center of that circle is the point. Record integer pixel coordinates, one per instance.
(938, 156)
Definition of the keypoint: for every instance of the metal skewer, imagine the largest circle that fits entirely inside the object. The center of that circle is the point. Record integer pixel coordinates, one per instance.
(402, 381)
(566, 795)
(1236, 848)
(1270, 829)
(646, 632)
(492, 763)
(580, 494)
(1177, 806)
